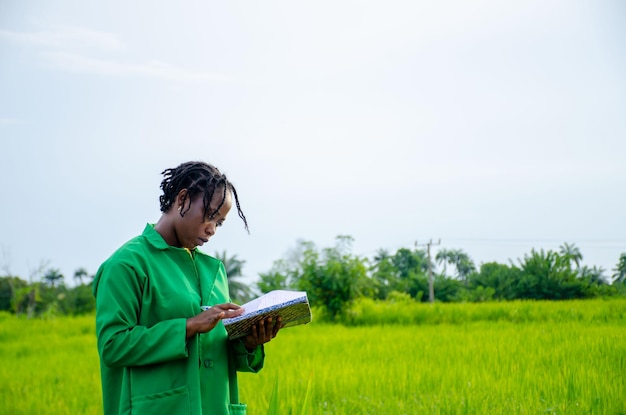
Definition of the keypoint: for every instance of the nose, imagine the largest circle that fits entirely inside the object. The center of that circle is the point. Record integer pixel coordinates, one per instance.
(210, 228)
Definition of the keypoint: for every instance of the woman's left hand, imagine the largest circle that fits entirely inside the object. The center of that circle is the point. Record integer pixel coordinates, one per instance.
(262, 332)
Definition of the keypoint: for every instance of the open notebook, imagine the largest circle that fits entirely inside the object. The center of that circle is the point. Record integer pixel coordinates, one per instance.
(292, 306)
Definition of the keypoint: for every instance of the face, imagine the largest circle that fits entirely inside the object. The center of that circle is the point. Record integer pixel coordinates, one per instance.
(194, 228)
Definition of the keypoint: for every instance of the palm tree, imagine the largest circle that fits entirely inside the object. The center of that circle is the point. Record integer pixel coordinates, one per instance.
(381, 255)
(620, 270)
(465, 266)
(385, 275)
(240, 292)
(79, 274)
(570, 252)
(595, 275)
(52, 276)
(444, 257)
(461, 261)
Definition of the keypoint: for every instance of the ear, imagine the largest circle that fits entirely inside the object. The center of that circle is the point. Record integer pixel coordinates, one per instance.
(181, 199)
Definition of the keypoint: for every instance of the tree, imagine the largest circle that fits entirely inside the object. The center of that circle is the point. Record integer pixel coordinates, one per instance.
(570, 252)
(79, 274)
(407, 261)
(384, 275)
(620, 270)
(444, 257)
(595, 275)
(25, 299)
(447, 289)
(79, 300)
(464, 266)
(52, 276)
(461, 261)
(277, 278)
(381, 255)
(10, 287)
(503, 279)
(405, 271)
(334, 277)
(239, 291)
(548, 276)
(30, 297)
(285, 272)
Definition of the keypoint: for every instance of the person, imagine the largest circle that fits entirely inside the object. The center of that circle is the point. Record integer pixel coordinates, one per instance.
(159, 352)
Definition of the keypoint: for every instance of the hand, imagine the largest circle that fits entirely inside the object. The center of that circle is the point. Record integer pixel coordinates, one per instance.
(262, 332)
(208, 319)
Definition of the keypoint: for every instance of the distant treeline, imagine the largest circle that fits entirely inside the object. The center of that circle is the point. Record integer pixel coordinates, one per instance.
(334, 277)
(48, 295)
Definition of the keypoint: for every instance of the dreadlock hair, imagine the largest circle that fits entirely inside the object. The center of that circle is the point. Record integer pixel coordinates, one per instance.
(198, 178)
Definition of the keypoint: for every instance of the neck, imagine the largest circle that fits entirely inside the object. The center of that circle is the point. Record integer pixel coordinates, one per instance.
(165, 228)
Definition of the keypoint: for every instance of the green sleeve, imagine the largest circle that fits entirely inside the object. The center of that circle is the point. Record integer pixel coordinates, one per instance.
(247, 361)
(122, 340)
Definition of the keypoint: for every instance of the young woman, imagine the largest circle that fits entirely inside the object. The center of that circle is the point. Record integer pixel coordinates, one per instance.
(159, 352)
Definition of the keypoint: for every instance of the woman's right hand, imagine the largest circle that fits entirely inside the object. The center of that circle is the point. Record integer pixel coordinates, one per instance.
(208, 319)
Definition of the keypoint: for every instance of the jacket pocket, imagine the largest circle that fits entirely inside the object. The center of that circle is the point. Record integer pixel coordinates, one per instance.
(237, 409)
(169, 402)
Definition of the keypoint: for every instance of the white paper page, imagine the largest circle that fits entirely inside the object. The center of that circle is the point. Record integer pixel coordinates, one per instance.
(270, 299)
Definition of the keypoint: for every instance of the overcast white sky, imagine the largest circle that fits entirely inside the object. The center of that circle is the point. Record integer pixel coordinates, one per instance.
(497, 126)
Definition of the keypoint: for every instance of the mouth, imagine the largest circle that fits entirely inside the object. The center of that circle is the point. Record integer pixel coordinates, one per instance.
(203, 240)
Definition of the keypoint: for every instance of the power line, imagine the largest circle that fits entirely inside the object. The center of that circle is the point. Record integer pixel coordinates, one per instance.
(540, 240)
(590, 243)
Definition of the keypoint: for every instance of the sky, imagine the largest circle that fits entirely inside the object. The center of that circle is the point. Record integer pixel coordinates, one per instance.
(493, 127)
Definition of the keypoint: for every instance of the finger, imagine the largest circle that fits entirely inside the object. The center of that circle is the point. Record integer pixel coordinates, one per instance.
(255, 333)
(219, 316)
(233, 313)
(261, 330)
(228, 306)
(269, 329)
(277, 326)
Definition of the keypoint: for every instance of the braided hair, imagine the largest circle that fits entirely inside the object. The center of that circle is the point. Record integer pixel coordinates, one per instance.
(198, 178)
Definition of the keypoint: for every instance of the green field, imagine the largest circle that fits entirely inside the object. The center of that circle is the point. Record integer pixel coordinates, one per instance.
(495, 358)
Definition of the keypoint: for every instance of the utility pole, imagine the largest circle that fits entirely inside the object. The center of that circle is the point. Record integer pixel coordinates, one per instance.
(431, 288)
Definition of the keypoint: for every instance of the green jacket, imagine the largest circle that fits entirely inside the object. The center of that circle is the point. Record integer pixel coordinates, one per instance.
(144, 293)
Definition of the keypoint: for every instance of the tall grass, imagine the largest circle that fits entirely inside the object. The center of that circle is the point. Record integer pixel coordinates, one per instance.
(490, 358)
(477, 368)
(498, 358)
(407, 312)
(49, 366)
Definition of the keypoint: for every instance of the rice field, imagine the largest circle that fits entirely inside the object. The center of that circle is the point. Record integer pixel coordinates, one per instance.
(558, 358)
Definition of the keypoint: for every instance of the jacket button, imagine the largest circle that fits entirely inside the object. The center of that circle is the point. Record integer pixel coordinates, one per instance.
(208, 363)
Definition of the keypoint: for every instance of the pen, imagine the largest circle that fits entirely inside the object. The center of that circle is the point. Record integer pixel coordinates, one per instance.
(205, 307)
